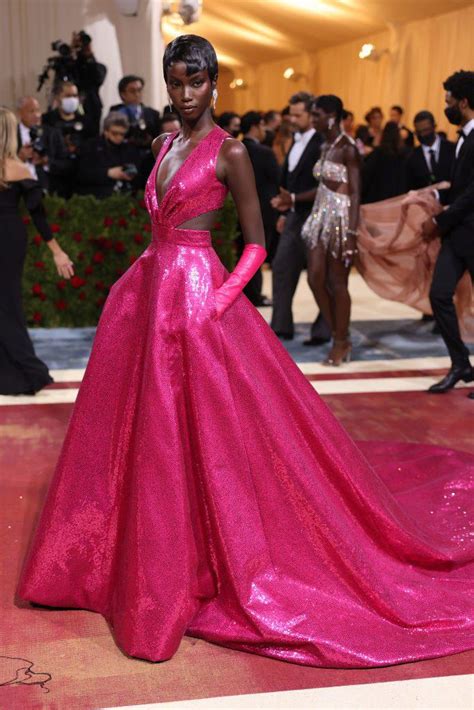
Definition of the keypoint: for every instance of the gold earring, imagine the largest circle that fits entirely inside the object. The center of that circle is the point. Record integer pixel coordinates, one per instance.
(215, 94)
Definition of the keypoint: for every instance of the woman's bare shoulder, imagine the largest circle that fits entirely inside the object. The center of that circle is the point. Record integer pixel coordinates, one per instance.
(158, 143)
(16, 170)
(233, 149)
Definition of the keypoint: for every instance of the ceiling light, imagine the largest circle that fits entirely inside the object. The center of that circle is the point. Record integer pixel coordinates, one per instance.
(369, 51)
(291, 75)
(238, 84)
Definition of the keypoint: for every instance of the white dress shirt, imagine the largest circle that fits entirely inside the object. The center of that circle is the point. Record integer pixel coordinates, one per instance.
(427, 148)
(466, 130)
(298, 148)
(26, 140)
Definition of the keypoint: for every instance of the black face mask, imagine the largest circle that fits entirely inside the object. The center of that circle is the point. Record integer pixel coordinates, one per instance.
(427, 139)
(453, 114)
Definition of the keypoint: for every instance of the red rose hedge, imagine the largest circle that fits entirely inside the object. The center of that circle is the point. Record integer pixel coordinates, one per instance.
(103, 238)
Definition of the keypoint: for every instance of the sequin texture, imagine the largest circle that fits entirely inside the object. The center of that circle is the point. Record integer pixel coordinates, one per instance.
(204, 488)
(328, 220)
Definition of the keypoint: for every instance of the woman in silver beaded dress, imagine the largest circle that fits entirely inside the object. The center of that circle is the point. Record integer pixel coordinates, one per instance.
(330, 232)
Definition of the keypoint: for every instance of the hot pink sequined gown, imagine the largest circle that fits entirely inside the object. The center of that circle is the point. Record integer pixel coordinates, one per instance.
(205, 489)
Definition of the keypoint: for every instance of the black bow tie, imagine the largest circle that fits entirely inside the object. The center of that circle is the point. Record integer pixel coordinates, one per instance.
(461, 133)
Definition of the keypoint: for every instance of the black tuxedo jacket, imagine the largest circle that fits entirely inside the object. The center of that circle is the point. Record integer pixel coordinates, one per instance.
(458, 220)
(301, 179)
(267, 178)
(418, 172)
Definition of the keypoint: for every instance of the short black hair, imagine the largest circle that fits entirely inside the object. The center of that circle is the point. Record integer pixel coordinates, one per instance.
(196, 52)
(270, 115)
(398, 109)
(461, 86)
(126, 80)
(330, 104)
(369, 114)
(302, 97)
(390, 140)
(225, 118)
(346, 114)
(424, 116)
(249, 119)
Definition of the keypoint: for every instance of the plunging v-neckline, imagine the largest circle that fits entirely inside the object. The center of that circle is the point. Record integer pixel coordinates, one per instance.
(158, 163)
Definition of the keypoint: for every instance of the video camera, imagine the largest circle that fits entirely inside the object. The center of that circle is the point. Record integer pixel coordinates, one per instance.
(36, 135)
(64, 64)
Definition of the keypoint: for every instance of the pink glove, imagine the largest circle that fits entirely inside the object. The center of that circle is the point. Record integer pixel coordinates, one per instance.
(249, 263)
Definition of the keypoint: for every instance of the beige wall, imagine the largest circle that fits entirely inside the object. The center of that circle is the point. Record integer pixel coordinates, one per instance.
(423, 54)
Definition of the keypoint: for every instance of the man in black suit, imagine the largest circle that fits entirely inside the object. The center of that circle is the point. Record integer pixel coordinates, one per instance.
(432, 161)
(267, 179)
(455, 226)
(145, 124)
(42, 147)
(290, 257)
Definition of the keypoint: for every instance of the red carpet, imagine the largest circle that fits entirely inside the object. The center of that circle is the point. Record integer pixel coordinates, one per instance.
(67, 659)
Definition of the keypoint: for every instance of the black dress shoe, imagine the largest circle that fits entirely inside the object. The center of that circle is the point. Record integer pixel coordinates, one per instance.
(284, 336)
(316, 340)
(466, 374)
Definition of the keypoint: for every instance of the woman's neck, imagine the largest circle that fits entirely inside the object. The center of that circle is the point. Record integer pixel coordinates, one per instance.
(332, 134)
(194, 131)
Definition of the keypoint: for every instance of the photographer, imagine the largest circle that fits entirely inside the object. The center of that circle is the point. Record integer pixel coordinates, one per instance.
(76, 63)
(144, 121)
(75, 127)
(109, 163)
(40, 147)
(89, 76)
(69, 116)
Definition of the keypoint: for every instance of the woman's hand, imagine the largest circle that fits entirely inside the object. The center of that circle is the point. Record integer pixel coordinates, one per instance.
(282, 202)
(64, 264)
(349, 250)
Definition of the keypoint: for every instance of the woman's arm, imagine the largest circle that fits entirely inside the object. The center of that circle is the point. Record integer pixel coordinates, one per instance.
(33, 196)
(352, 162)
(235, 170)
(285, 201)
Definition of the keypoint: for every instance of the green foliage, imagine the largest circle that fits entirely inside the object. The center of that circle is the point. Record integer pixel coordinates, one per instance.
(102, 238)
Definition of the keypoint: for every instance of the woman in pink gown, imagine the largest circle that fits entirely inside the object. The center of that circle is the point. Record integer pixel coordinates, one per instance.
(204, 488)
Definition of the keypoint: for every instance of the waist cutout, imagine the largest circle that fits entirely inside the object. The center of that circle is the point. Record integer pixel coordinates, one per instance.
(186, 237)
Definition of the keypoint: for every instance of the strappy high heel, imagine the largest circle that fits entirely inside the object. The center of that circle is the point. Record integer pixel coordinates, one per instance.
(340, 352)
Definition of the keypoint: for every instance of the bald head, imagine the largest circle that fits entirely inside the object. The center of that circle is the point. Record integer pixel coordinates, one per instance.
(29, 111)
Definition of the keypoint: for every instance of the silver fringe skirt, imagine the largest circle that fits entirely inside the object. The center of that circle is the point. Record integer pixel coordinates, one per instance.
(328, 222)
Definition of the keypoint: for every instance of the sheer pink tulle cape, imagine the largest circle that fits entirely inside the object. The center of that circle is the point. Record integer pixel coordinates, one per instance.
(395, 261)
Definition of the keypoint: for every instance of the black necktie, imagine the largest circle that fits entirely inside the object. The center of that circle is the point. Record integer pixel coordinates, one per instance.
(432, 163)
(461, 133)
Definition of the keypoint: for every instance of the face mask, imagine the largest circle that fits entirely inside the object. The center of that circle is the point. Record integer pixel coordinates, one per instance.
(453, 114)
(427, 139)
(70, 104)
